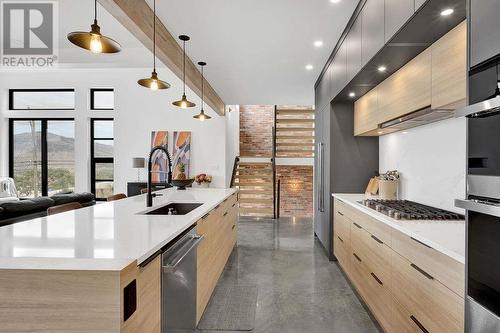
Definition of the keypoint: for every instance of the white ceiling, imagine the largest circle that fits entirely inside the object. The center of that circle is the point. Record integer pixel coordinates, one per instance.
(257, 50)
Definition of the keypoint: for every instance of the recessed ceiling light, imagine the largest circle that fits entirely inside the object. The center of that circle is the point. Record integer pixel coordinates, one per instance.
(380, 132)
(352, 94)
(382, 68)
(335, 1)
(309, 67)
(318, 43)
(447, 12)
(405, 132)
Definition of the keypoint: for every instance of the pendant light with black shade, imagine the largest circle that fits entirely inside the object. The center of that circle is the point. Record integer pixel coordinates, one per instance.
(202, 116)
(183, 103)
(94, 41)
(153, 82)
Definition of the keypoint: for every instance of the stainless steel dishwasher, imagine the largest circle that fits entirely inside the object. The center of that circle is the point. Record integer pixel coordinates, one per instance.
(178, 285)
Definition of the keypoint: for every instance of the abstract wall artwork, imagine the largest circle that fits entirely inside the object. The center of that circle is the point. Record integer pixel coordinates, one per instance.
(159, 160)
(182, 154)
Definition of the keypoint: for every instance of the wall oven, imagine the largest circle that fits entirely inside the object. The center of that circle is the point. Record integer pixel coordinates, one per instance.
(483, 216)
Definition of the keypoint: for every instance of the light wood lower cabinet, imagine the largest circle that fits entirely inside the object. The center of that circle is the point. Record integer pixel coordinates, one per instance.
(408, 286)
(219, 229)
(81, 301)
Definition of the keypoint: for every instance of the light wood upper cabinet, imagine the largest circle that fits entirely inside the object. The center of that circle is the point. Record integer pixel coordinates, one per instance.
(366, 114)
(407, 90)
(449, 69)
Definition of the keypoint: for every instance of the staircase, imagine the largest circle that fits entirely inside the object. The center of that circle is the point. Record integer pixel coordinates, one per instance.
(294, 132)
(255, 183)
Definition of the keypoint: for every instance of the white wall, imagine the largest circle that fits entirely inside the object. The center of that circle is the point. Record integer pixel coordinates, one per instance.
(232, 138)
(137, 112)
(431, 160)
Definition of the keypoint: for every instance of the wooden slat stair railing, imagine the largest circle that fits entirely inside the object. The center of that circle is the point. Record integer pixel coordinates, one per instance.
(294, 132)
(255, 183)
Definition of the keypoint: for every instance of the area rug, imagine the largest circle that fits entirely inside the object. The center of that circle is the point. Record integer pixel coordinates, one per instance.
(231, 308)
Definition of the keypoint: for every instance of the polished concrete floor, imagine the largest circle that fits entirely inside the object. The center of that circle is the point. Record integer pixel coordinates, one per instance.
(299, 289)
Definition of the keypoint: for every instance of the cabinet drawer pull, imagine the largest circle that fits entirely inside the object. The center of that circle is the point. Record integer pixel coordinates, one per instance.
(234, 226)
(340, 213)
(234, 204)
(421, 243)
(377, 240)
(376, 279)
(205, 216)
(224, 214)
(357, 225)
(357, 258)
(421, 271)
(340, 239)
(415, 320)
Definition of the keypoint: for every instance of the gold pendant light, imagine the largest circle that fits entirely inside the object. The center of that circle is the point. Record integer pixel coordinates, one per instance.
(184, 103)
(202, 116)
(94, 41)
(153, 82)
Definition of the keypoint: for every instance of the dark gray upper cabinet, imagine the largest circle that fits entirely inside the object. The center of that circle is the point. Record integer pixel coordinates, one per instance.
(353, 50)
(397, 12)
(339, 76)
(484, 30)
(419, 3)
(372, 37)
(324, 90)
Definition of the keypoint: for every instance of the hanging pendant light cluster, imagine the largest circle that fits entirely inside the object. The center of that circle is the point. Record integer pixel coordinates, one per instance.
(183, 103)
(153, 82)
(202, 116)
(94, 41)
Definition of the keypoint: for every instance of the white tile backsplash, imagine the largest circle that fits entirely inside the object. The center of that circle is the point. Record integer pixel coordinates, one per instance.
(431, 160)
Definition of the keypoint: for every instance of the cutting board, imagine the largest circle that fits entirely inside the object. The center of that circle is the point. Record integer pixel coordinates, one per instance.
(372, 187)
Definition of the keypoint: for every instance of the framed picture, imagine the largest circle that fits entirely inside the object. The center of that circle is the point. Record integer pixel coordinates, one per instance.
(181, 154)
(159, 160)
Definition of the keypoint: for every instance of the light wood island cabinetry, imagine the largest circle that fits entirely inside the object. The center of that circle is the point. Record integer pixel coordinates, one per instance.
(219, 229)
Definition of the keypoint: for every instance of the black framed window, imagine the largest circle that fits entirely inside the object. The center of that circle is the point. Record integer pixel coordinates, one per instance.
(102, 99)
(42, 156)
(41, 99)
(101, 157)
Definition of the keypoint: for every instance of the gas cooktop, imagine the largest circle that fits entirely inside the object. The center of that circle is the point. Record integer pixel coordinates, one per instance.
(409, 210)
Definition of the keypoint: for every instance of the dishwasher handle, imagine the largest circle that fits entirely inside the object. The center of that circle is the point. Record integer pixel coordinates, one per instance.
(170, 263)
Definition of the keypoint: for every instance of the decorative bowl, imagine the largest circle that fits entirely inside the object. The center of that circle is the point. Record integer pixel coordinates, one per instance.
(181, 184)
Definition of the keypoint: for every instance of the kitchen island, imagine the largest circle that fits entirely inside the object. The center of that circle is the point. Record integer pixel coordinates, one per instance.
(70, 271)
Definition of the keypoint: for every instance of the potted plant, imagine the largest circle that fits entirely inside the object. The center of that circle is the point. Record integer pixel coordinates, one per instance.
(203, 180)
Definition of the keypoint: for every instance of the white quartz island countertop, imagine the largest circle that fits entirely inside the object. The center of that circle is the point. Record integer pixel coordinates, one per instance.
(447, 237)
(107, 236)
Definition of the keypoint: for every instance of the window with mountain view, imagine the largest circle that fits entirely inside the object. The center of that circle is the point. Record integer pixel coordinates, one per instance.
(102, 162)
(42, 160)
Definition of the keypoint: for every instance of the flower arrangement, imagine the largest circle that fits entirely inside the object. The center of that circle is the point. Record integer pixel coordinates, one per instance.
(203, 179)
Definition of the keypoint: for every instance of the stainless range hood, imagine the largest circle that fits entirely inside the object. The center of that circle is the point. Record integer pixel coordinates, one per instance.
(417, 118)
(480, 110)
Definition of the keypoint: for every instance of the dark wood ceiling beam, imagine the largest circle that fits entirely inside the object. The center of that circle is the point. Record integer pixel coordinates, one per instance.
(136, 16)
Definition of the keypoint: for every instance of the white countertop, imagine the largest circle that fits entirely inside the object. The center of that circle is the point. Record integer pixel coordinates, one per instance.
(447, 237)
(107, 236)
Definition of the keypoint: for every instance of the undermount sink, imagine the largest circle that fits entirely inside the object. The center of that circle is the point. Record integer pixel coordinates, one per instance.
(177, 208)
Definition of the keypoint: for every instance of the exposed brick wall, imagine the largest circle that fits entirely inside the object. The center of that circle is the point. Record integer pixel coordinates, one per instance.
(256, 126)
(296, 190)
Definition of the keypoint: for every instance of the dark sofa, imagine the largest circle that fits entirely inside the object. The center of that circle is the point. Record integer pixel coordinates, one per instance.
(27, 209)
